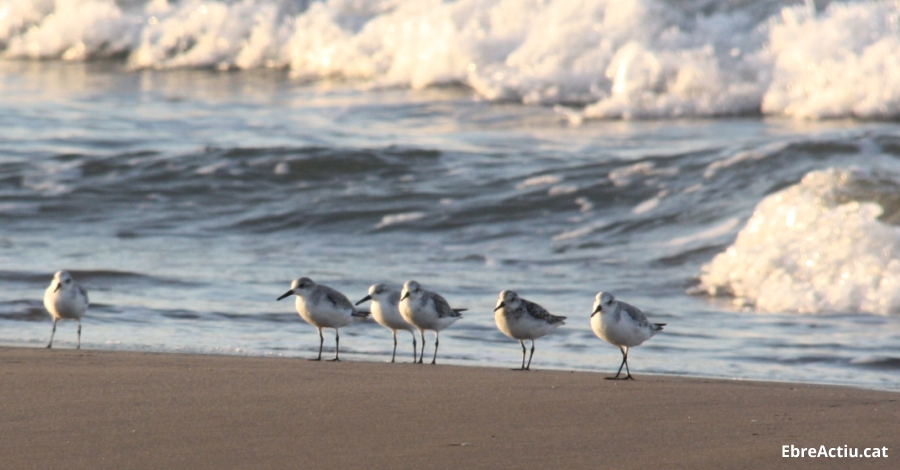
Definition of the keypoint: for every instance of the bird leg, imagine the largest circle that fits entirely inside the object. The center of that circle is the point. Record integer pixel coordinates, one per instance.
(437, 340)
(628, 377)
(50, 344)
(625, 365)
(79, 334)
(528, 367)
(422, 354)
(321, 341)
(337, 346)
(522, 342)
(394, 354)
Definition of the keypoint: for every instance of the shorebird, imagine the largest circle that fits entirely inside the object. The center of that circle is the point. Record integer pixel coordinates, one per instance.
(386, 312)
(521, 319)
(322, 307)
(426, 310)
(622, 325)
(65, 300)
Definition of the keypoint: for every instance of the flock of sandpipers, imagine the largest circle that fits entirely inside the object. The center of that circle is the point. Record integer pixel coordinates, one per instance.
(412, 308)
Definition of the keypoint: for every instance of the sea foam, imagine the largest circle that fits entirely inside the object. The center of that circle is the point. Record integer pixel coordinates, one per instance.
(603, 59)
(819, 246)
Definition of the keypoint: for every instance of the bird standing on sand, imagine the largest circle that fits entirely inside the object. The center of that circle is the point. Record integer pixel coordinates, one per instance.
(322, 307)
(426, 310)
(386, 312)
(622, 325)
(65, 300)
(521, 319)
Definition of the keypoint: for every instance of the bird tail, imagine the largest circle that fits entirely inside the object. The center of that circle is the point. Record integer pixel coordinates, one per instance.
(659, 326)
(360, 313)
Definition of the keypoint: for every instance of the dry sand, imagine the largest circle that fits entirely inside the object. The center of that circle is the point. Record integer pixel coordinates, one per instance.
(99, 409)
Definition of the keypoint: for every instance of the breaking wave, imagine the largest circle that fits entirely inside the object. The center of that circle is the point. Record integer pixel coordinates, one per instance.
(827, 244)
(596, 59)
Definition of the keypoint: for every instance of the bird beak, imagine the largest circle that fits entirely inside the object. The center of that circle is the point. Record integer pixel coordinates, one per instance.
(286, 294)
(404, 296)
(597, 310)
(500, 306)
(368, 297)
(58, 285)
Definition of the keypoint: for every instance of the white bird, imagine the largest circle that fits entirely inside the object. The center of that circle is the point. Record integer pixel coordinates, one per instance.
(65, 300)
(622, 325)
(521, 319)
(386, 312)
(322, 307)
(426, 310)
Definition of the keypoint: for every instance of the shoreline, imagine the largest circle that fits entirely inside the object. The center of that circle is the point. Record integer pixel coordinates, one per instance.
(380, 359)
(115, 409)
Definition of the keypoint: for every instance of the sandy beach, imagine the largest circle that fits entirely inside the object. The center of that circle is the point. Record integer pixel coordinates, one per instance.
(98, 409)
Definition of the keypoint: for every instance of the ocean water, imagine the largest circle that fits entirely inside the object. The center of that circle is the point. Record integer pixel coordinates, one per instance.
(732, 168)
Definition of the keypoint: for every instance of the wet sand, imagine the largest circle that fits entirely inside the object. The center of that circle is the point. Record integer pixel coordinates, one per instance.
(99, 409)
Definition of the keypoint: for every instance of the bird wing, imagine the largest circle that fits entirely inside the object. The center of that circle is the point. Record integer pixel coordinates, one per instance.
(540, 313)
(394, 298)
(635, 313)
(338, 299)
(443, 307)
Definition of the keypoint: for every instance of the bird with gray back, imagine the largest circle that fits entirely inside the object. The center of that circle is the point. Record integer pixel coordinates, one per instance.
(385, 308)
(522, 319)
(65, 300)
(323, 307)
(427, 310)
(622, 325)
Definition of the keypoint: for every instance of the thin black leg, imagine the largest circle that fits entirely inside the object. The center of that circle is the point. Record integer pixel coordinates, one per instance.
(624, 356)
(50, 344)
(522, 342)
(628, 377)
(422, 354)
(437, 340)
(321, 342)
(79, 335)
(394, 354)
(337, 346)
(414, 347)
(528, 367)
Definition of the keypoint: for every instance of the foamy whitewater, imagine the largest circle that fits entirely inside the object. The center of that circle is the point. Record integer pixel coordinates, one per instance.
(733, 168)
(608, 58)
(817, 247)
